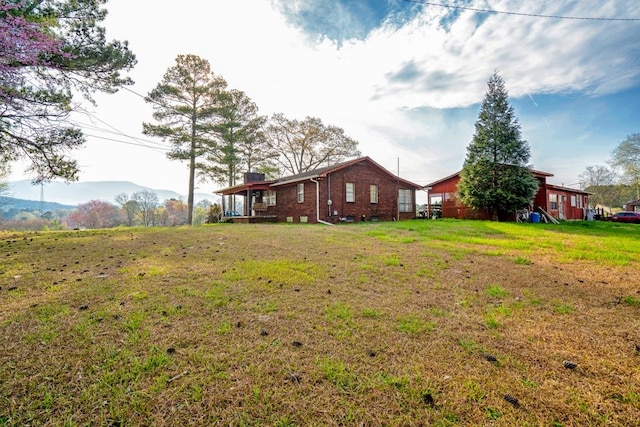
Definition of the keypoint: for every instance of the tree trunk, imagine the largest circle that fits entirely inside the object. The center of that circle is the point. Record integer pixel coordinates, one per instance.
(192, 170)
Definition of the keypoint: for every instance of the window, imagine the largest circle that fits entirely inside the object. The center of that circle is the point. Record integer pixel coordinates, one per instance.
(269, 198)
(573, 201)
(350, 192)
(405, 201)
(553, 201)
(373, 192)
(300, 189)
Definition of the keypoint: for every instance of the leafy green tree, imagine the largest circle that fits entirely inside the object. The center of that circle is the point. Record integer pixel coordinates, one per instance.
(626, 157)
(185, 103)
(5, 188)
(612, 196)
(306, 145)
(128, 207)
(495, 175)
(50, 50)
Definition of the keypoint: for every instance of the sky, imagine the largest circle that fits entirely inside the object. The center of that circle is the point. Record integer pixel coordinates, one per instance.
(404, 78)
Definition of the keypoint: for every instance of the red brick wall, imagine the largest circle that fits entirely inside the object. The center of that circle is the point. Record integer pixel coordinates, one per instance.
(287, 203)
(333, 187)
(362, 175)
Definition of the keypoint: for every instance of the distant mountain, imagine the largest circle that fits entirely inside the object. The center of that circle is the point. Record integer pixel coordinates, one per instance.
(13, 204)
(81, 192)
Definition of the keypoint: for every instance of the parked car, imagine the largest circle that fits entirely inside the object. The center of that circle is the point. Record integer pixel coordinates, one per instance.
(626, 217)
(232, 213)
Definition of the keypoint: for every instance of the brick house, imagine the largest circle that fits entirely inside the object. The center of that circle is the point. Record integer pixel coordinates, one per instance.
(560, 202)
(633, 206)
(355, 190)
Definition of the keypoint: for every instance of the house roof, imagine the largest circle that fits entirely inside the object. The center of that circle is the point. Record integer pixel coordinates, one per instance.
(567, 189)
(536, 173)
(243, 188)
(314, 174)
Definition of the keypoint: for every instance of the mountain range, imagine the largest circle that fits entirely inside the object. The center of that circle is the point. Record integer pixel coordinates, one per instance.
(75, 193)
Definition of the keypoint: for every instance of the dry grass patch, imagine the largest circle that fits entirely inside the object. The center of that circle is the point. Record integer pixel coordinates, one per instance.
(423, 322)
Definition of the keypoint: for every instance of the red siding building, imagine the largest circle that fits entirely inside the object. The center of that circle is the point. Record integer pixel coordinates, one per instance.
(356, 190)
(633, 206)
(560, 202)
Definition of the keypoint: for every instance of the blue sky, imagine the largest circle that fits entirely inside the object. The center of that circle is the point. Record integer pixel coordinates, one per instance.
(403, 78)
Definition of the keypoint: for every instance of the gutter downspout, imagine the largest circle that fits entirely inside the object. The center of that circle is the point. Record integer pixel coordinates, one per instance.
(318, 203)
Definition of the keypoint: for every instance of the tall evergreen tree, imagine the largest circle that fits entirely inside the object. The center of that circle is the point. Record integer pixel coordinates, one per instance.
(495, 175)
(239, 144)
(185, 103)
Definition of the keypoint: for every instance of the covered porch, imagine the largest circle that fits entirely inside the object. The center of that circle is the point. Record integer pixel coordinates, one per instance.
(254, 207)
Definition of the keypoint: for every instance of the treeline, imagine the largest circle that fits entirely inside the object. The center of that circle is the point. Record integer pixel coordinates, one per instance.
(613, 196)
(618, 182)
(141, 208)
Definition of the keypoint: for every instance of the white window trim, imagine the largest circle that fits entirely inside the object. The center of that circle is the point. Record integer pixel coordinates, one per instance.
(403, 204)
(373, 193)
(300, 192)
(270, 198)
(350, 192)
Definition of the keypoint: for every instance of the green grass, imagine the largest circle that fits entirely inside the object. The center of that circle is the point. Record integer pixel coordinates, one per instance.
(563, 308)
(496, 291)
(414, 325)
(337, 373)
(361, 324)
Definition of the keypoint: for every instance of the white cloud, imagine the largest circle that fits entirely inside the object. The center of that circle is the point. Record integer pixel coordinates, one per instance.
(352, 85)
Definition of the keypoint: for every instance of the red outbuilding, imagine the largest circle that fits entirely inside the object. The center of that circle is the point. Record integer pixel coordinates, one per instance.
(558, 201)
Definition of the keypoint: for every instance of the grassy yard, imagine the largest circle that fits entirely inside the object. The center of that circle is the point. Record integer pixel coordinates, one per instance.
(434, 323)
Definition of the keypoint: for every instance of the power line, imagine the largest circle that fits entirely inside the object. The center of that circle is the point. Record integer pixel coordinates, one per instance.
(158, 149)
(134, 92)
(93, 127)
(115, 131)
(532, 15)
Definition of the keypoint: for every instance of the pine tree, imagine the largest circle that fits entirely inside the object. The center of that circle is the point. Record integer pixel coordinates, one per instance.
(495, 175)
(185, 104)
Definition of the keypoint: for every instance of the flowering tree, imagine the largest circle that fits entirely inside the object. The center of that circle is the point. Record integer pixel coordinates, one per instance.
(48, 50)
(22, 44)
(94, 214)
